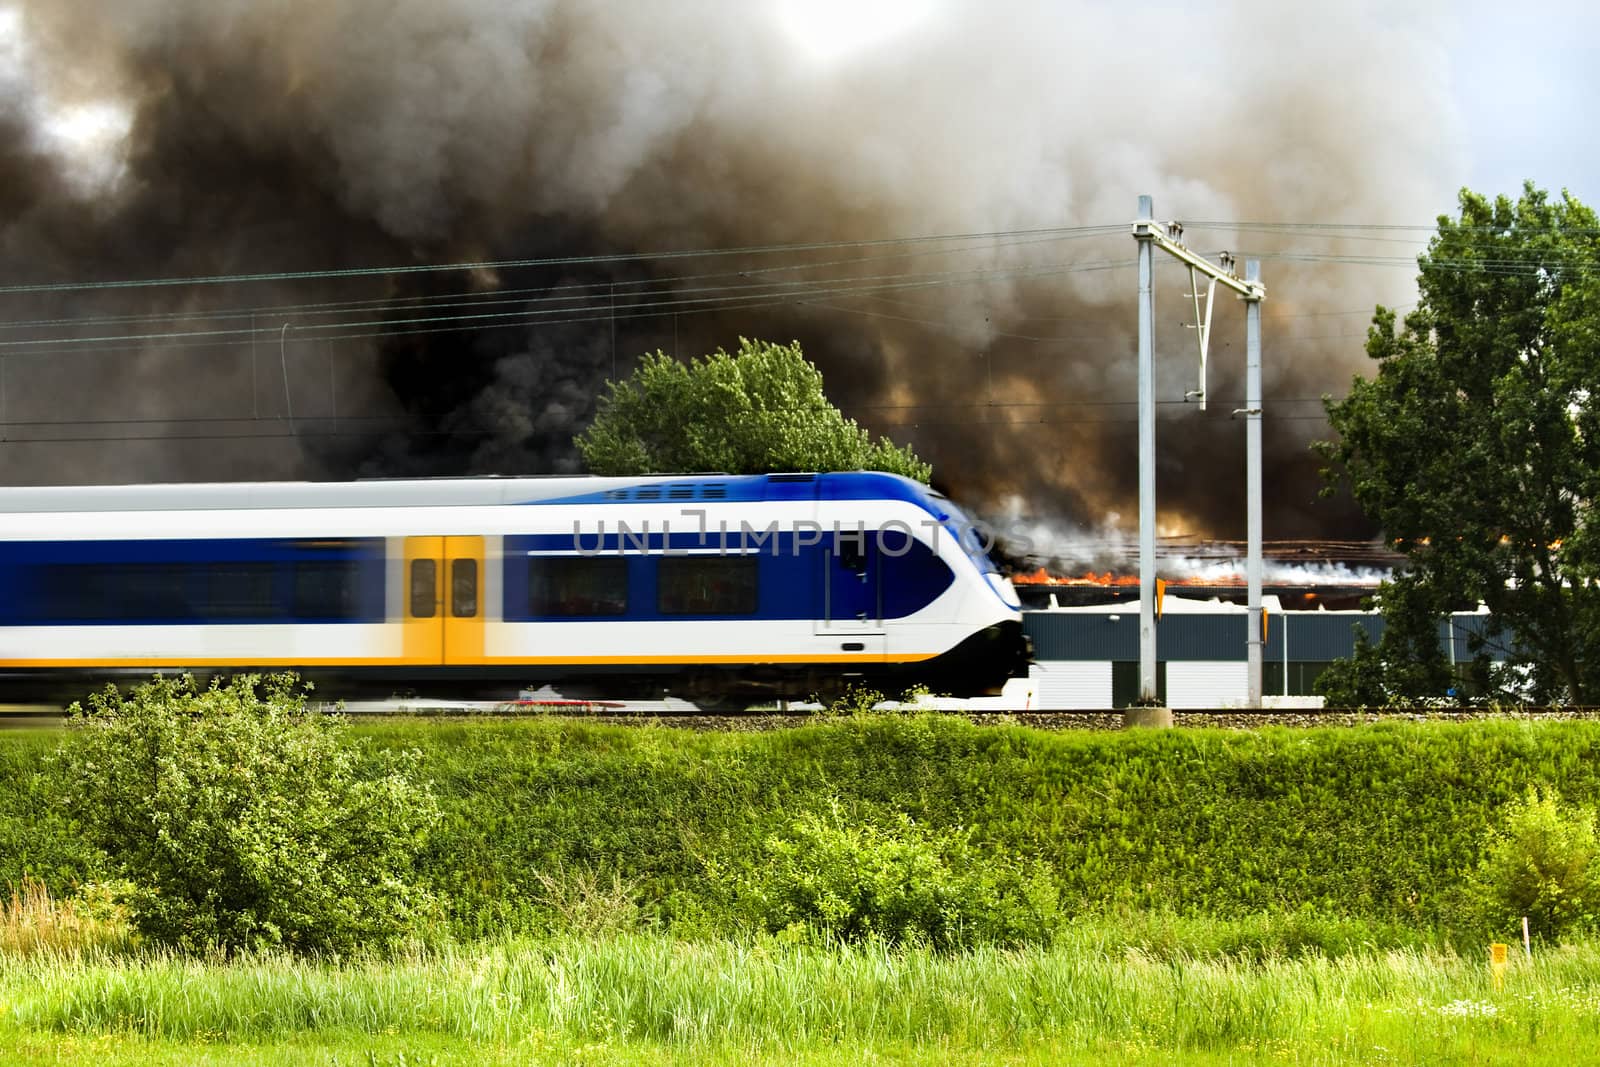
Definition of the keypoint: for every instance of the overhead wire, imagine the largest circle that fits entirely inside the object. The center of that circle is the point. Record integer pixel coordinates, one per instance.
(479, 298)
(364, 425)
(755, 288)
(664, 297)
(719, 298)
(543, 261)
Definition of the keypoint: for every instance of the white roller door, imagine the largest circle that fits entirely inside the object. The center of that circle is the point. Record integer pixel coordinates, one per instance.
(1207, 685)
(1067, 684)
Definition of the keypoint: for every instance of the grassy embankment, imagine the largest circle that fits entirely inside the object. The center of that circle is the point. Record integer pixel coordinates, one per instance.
(1283, 894)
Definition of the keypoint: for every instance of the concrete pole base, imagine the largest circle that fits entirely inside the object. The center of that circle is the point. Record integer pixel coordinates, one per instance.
(1160, 718)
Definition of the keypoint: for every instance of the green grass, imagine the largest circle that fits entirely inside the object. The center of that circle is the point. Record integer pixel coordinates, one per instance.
(390, 1051)
(638, 999)
(557, 826)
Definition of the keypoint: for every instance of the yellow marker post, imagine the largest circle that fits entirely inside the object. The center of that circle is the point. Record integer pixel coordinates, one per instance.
(1497, 963)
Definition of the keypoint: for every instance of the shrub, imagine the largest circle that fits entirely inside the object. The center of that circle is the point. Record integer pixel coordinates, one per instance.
(1543, 863)
(835, 878)
(585, 902)
(243, 819)
(860, 699)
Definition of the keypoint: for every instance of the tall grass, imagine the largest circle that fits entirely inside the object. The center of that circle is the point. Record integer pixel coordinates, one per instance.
(767, 995)
(33, 922)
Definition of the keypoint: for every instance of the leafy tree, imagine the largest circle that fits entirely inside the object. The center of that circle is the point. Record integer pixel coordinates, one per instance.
(759, 410)
(1476, 447)
(245, 820)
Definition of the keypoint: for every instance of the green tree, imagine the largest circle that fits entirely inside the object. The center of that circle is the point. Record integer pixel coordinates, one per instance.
(245, 820)
(761, 409)
(1476, 447)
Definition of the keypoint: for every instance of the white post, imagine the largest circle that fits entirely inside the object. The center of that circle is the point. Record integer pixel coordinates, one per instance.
(1252, 405)
(1285, 624)
(1147, 464)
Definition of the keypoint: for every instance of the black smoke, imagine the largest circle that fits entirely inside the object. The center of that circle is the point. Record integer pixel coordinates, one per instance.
(588, 144)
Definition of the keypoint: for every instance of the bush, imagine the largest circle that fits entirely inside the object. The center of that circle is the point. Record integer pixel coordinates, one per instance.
(832, 877)
(245, 820)
(1543, 863)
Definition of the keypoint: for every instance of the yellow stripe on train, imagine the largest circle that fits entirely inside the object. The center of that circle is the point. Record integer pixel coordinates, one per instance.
(506, 661)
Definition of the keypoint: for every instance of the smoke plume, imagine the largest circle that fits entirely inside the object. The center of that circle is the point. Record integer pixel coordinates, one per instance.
(585, 141)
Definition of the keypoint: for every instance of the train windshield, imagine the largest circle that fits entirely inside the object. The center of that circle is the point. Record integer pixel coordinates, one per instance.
(976, 538)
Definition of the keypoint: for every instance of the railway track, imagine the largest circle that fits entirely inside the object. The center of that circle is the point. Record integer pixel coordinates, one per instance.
(682, 714)
(1077, 719)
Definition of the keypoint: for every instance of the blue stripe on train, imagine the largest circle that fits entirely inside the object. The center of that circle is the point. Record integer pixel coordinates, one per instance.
(192, 581)
(155, 582)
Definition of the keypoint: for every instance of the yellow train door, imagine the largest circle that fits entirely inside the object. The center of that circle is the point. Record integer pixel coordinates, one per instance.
(444, 608)
(464, 611)
(424, 622)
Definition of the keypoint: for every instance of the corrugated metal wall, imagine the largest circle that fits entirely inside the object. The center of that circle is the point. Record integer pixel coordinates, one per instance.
(1066, 684)
(1315, 637)
(1090, 659)
(1064, 636)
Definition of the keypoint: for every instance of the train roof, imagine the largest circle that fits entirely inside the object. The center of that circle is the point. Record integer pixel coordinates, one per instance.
(447, 492)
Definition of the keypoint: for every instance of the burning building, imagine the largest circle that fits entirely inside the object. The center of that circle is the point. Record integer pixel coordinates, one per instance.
(1302, 575)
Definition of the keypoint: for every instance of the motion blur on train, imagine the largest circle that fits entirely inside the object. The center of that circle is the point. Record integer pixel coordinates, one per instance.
(718, 589)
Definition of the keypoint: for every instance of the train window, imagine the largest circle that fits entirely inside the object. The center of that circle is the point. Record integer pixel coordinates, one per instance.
(239, 591)
(135, 592)
(912, 577)
(187, 582)
(71, 592)
(707, 585)
(326, 588)
(155, 591)
(463, 588)
(53, 595)
(574, 586)
(424, 588)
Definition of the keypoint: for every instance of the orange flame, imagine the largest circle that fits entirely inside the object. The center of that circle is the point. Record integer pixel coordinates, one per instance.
(1044, 577)
(1108, 580)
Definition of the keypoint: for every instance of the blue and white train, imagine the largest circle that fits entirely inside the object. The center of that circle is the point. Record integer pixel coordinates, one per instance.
(712, 587)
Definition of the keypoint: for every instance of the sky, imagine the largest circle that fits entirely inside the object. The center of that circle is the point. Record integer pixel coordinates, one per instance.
(1526, 81)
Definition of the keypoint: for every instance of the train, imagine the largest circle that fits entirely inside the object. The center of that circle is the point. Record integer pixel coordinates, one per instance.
(720, 589)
